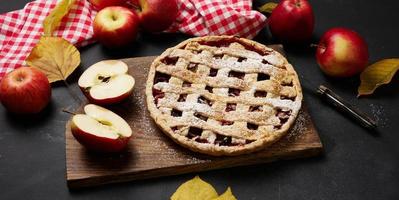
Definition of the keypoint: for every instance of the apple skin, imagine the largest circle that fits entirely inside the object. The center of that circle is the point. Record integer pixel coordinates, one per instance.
(157, 15)
(342, 53)
(99, 144)
(108, 101)
(100, 4)
(100, 129)
(25, 90)
(292, 21)
(119, 84)
(115, 26)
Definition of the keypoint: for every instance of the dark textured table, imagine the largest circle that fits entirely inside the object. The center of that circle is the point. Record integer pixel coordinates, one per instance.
(356, 164)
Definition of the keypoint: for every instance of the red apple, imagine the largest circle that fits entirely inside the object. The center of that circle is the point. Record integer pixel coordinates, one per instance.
(342, 53)
(100, 4)
(100, 129)
(106, 82)
(115, 26)
(292, 21)
(157, 15)
(25, 90)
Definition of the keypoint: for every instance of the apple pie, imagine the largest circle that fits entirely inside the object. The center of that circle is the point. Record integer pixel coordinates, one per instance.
(223, 95)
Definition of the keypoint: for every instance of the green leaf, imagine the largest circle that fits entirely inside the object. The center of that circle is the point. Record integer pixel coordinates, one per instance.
(377, 74)
(53, 20)
(267, 7)
(195, 189)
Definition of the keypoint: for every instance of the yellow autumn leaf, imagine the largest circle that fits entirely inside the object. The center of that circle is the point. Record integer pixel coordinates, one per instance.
(377, 74)
(195, 189)
(267, 7)
(52, 21)
(54, 56)
(228, 195)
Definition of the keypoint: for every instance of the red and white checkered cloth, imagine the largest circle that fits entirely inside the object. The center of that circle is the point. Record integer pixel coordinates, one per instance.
(20, 30)
(222, 17)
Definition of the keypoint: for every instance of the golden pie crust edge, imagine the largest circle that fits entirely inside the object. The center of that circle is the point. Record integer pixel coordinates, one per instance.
(211, 149)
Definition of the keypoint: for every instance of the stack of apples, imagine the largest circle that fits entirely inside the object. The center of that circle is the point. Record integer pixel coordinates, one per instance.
(341, 52)
(118, 21)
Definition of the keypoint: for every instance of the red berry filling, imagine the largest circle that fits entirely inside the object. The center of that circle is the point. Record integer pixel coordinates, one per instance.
(218, 56)
(240, 59)
(201, 140)
(175, 128)
(287, 97)
(194, 132)
(238, 75)
(196, 51)
(182, 98)
(230, 107)
(226, 123)
(157, 94)
(209, 88)
(161, 77)
(260, 93)
(213, 72)
(186, 84)
(170, 60)
(251, 126)
(255, 109)
(204, 100)
(202, 117)
(283, 115)
(290, 84)
(262, 77)
(192, 67)
(265, 62)
(234, 92)
(222, 140)
(176, 113)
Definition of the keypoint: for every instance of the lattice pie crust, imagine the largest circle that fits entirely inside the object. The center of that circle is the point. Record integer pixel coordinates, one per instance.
(223, 95)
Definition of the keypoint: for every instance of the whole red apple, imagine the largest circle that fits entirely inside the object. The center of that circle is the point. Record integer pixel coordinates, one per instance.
(25, 90)
(342, 53)
(100, 4)
(157, 15)
(115, 26)
(292, 21)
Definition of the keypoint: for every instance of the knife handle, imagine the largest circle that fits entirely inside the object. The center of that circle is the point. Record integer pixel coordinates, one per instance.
(346, 107)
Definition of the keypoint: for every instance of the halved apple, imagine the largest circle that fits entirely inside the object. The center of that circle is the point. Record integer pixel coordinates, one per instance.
(101, 129)
(106, 82)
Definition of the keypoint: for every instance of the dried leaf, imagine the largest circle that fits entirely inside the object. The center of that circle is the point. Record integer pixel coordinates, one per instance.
(52, 21)
(195, 189)
(377, 74)
(54, 56)
(228, 195)
(267, 7)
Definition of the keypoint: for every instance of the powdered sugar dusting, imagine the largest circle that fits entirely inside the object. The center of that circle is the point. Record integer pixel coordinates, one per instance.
(244, 91)
(378, 113)
(299, 129)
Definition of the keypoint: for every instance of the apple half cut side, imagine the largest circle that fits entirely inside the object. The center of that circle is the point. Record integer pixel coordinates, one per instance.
(106, 82)
(100, 130)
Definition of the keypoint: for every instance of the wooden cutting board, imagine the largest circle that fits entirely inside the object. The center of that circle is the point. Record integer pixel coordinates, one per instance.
(152, 154)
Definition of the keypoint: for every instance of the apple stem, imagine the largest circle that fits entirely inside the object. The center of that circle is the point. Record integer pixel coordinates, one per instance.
(69, 112)
(318, 45)
(134, 6)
